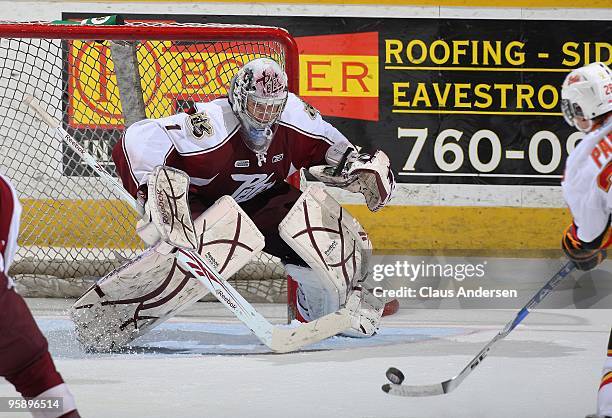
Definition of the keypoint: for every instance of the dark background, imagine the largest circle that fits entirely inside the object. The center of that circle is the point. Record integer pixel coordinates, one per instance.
(514, 132)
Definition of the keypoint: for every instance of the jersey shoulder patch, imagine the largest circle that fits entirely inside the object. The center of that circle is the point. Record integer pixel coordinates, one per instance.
(209, 127)
(220, 116)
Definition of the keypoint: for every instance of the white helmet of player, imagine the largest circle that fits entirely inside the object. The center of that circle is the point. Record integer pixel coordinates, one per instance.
(258, 94)
(586, 94)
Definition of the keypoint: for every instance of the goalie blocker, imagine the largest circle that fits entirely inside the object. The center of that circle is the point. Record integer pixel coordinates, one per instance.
(167, 214)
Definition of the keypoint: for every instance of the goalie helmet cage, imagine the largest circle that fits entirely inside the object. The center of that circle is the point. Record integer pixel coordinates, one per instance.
(97, 80)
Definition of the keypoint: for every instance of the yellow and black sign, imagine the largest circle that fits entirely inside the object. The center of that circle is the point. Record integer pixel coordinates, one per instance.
(450, 100)
(171, 71)
(458, 100)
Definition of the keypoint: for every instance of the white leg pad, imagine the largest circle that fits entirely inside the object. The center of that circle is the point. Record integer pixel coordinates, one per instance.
(151, 288)
(329, 240)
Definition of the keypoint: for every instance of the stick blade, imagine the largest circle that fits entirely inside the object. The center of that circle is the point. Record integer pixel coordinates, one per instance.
(414, 391)
(285, 340)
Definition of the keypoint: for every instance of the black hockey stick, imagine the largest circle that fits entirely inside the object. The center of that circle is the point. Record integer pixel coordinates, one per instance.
(396, 377)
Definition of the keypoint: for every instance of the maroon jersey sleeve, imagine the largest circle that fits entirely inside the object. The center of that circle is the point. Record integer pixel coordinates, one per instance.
(10, 211)
(308, 152)
(311, 136)
(122, 165)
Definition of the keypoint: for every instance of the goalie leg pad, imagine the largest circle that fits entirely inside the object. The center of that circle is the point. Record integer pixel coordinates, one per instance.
(146, 291)
(133, 299)
(329, 240)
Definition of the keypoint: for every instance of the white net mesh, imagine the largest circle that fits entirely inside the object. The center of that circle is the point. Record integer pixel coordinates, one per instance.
(74, 228)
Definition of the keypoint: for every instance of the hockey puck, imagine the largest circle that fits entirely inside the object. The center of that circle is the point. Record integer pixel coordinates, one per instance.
(386, 387)
(395, 376)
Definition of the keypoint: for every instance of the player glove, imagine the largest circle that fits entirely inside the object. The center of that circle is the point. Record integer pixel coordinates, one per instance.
(367, 174)
(586, 256)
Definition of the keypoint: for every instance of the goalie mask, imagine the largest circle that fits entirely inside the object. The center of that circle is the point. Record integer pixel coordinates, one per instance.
(586, 94)
(258, 94)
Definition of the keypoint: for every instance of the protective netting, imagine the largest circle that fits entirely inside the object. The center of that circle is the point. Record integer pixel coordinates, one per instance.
(74, 228)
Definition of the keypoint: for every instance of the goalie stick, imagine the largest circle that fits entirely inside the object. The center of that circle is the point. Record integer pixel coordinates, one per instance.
(279, 339)
(396, 377)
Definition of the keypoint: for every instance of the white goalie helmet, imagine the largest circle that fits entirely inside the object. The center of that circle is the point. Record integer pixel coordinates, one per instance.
(586, 94)
(258, 94)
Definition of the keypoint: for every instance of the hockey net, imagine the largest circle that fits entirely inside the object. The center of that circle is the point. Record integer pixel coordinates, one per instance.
(97, 80)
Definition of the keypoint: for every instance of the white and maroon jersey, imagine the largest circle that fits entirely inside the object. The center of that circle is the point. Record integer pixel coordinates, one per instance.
(215, 156)
(10, 211)
(587, 183)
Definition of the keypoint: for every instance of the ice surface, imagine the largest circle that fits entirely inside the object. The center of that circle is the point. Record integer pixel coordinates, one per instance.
(206, 364)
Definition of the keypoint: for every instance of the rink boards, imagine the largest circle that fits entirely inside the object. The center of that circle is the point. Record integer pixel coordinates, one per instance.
(422, 216)
(397, 227)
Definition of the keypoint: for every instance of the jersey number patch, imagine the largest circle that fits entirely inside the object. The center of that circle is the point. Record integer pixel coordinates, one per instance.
(604, 178)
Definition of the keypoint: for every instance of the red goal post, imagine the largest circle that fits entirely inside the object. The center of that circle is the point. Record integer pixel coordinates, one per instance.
(75, 229)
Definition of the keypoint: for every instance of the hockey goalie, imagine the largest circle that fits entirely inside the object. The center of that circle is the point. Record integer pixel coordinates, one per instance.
(212, 180)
